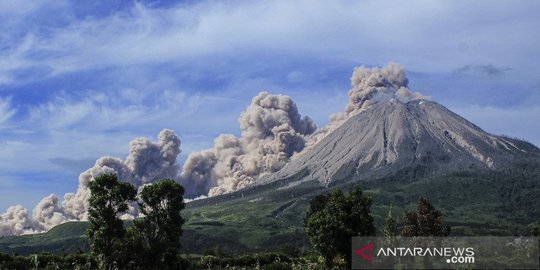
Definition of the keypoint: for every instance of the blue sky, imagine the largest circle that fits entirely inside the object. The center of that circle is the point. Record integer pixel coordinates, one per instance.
(80, 79)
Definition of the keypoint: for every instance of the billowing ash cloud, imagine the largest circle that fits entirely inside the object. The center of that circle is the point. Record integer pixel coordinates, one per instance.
(272, 132)
(15, 221)
(146, 162)
(370, 86)
(373, 85)
(48, 214)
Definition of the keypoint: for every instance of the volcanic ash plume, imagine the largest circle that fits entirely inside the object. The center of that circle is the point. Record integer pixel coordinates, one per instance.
(146, 163)
(370, 86)
(16, 221)
(272, 131)
(48, 214)
(373, 85)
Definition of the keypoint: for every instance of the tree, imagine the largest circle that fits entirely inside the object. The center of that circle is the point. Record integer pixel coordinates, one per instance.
(332, 219)
(160, 229)
(389, 229)
(536, 231)
(109, 198)
(425, 221)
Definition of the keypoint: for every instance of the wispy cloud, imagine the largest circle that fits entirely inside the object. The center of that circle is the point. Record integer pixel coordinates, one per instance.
(70, 126)
(367, 31)
(101, 111)
(486, 70)
(6, 111)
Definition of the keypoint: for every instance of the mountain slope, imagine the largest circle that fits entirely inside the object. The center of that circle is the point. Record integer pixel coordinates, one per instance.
(391, 136)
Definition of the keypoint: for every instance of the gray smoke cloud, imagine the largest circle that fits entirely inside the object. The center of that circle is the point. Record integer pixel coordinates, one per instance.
(373, 85)
(48, 214)
(146, 162)
(370, 86)
(272, 132)
(15, 221)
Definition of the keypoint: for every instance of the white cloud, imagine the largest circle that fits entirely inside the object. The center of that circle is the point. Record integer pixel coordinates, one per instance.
(448, 34)
(6, 111)
(70, 125)
(18, 8)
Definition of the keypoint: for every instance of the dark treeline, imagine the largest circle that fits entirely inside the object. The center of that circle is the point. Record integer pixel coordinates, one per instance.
(275, 260)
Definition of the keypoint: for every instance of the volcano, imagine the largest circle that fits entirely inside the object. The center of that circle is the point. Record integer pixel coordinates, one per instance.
(392, 136)
(397, 152)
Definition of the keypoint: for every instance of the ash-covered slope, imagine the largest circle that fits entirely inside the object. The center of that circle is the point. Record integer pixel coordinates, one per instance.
(392, 136)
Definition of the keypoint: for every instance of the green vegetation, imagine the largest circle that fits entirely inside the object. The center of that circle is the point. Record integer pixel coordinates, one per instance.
(331, 221)
(109, 199)
(153, 241)
(48, 261)
(256, 261)
(69, 237)
(389, 229)
(536, 231)
(425, 221)
(473, 203)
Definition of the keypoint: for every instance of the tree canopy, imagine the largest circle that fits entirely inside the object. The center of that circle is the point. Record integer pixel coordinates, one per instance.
(332, 219)
(154, 239)
(424, 221)
(159, 231)
(109, 198)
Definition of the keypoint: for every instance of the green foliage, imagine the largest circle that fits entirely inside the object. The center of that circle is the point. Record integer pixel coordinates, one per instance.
(536, 230)
(48, 261)
(154, 240)
(266, 260)
(389, 229)
(425, 221)
(332, 219)
(290, 250)
(109, 198)
(251, 261)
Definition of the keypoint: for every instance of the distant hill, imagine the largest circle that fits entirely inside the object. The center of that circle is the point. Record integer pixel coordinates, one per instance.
(65, 238)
